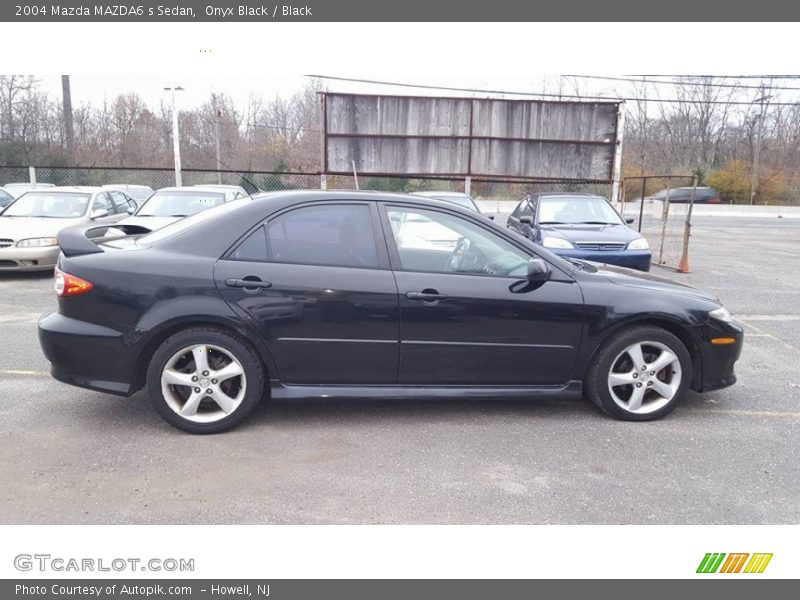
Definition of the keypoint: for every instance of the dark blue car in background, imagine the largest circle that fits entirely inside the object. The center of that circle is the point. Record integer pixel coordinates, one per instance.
(583, 226)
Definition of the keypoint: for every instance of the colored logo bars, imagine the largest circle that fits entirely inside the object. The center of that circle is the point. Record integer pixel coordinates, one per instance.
(713, 563)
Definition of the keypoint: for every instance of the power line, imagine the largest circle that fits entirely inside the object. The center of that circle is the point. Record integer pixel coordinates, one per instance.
(687, 83)
(545, 94)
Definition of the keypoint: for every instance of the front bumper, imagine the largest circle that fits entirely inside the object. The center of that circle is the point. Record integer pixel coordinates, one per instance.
(717, 370)
(633, 259)
(28, 259)
(86, 355)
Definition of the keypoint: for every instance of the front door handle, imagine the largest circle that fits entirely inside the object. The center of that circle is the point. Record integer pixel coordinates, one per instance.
(252, 283)
(428, 296)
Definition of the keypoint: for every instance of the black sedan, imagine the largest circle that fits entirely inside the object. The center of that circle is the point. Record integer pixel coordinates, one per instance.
(312, 294)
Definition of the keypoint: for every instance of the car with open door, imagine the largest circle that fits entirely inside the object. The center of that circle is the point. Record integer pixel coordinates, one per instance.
(314, 294)
(582, 226)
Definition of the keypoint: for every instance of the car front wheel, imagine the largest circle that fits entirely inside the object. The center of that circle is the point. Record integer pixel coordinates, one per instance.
(640, 374)
(204, 380)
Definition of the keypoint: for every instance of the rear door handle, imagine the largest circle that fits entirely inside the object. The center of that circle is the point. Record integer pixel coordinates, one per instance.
(426, 296)
(254, 283)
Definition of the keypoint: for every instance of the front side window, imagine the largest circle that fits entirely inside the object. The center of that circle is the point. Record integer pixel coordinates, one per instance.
(334, 235)
(54, 205)
(437, 242)
(102, 202)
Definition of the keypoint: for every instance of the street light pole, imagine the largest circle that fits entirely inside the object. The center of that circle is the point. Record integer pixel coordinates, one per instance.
(176, 140)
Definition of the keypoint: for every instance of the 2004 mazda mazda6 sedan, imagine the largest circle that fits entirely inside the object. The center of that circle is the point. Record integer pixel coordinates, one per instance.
(315, 294)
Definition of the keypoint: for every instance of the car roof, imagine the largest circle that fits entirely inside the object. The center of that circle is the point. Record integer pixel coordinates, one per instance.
(75, 189)
(434, 194)
(125, 185)
(191, 188)
(584, 195)
(218, 186)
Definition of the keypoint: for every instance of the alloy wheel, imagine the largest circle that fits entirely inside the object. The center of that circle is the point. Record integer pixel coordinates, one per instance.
(644, 377)
(203, 383)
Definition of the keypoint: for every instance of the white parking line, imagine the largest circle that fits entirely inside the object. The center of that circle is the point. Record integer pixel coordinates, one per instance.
(767, 317)
(783, 414)
(24, 372)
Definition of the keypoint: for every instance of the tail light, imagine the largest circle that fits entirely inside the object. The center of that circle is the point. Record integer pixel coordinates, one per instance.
(69, 285)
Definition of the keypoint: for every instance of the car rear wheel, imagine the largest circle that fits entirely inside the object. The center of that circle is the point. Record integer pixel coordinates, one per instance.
(640, 374)
(204, 380)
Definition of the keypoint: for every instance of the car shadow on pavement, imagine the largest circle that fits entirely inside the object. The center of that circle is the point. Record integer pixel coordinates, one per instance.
(115, 413)
(18, 276)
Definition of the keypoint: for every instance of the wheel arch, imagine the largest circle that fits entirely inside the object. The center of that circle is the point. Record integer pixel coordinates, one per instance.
(678, 329)
(158, 336)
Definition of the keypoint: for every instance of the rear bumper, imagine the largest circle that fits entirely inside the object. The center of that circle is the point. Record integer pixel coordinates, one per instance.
(28, 259)
(86, 355)
(633, 259)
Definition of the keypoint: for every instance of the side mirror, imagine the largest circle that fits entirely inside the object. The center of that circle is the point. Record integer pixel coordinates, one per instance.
(629, 220)
(131, 210)
(538, 271)
(98, 214)
(491, 217)
(527, 220)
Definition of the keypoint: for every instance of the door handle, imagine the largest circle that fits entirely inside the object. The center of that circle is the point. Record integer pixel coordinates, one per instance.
(431, 296)
(253, 283)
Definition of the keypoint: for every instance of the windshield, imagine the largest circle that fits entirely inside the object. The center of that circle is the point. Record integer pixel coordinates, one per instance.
(54, 205)
(179, 204)
(572, 210)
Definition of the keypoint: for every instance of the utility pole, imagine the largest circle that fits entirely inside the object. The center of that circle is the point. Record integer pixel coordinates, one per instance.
(176, 143)
(217, 117)
(69, 130)
(762, 100)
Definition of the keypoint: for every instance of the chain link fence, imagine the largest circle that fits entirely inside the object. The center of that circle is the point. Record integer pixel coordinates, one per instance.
(661, 206)
(493, 197)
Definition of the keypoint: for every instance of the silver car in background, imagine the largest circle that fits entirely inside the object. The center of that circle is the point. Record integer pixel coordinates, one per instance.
(29, 226)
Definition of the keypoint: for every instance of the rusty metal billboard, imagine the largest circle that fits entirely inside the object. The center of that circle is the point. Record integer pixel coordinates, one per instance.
(468, 137)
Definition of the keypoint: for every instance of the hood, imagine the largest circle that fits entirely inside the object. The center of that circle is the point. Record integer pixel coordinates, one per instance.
(633, 278)
(151, 223)
(20, 228)
(591, 233)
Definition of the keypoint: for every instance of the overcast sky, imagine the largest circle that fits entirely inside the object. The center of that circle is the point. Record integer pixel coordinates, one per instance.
(197, 88)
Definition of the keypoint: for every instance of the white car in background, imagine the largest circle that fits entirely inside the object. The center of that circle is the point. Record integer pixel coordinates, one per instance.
(17, 189)
(171, 204)
(30, 225)
(232, 192)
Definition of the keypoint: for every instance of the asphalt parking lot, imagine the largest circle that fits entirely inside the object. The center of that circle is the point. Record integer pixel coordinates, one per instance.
(731, 456)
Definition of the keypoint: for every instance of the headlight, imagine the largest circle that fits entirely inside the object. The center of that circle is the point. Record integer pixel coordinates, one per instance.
(554, 242)
(721, 314)
(640, 244)
(37, 242)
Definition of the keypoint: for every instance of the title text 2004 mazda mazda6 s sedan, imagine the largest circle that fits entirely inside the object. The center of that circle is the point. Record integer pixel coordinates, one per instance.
(357, 294)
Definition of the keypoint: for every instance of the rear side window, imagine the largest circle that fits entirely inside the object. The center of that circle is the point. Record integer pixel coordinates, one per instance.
(253, 248)
(336, 235)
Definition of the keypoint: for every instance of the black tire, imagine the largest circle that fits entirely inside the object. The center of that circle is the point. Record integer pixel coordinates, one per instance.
(596, 382)
(230, 343)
